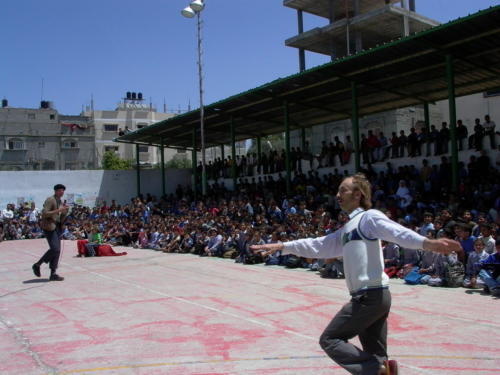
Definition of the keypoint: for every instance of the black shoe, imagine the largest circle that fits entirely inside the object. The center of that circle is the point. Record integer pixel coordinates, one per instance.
(36, 270)
(56, 277)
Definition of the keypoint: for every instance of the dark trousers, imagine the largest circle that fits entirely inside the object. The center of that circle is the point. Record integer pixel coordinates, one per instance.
(52, 255)
(364, 316)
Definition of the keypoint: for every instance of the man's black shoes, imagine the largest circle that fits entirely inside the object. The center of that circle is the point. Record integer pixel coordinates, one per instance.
(56, 277)
(36, 270)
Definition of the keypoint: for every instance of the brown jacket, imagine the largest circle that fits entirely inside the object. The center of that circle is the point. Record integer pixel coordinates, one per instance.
(50, 221)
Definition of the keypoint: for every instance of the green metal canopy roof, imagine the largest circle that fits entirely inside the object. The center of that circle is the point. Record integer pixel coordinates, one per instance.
(402, 73)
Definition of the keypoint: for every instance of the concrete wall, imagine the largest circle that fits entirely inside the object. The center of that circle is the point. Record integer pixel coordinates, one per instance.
(86, 186)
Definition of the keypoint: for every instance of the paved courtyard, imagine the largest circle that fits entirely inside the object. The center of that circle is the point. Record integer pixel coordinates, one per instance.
(154, 313)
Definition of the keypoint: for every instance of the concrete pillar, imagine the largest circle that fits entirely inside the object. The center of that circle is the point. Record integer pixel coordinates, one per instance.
(302, 53)
(406, 20)
(413, 8)
(357, 35)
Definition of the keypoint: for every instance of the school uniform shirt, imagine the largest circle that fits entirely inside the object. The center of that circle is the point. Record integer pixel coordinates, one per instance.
(358, 242)
(471, 269)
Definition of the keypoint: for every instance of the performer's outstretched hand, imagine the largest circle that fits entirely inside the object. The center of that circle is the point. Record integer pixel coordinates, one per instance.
(267, 249)
(443, 246)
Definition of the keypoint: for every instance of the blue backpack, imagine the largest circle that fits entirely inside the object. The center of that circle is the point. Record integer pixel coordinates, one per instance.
(413, 277)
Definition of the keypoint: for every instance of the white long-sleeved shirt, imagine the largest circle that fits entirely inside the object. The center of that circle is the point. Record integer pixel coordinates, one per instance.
(374, 225)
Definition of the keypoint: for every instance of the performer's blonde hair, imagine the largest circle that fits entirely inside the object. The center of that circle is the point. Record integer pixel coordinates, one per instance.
(361, 184)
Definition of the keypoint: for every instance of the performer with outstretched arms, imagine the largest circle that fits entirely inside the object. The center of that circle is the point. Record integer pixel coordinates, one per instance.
(358, 242)
(53, 215)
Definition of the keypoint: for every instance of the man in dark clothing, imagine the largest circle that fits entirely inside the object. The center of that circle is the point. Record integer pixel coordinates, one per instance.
(444, 135)
(53, 215)
(461, 134)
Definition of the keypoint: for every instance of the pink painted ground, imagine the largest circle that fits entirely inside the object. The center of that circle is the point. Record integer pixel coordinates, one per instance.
(152, 313)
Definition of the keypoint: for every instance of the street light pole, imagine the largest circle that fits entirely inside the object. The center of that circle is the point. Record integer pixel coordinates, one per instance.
(195, 8)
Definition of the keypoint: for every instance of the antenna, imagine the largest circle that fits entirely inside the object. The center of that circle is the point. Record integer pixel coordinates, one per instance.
(164, 105)
(92, 102)
(189, 105)
(41, 95)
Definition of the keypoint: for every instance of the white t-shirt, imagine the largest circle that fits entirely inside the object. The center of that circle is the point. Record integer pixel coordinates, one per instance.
(7, 214)
(33, 215)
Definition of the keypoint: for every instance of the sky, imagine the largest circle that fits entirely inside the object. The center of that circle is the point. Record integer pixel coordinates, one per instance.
(104, 48)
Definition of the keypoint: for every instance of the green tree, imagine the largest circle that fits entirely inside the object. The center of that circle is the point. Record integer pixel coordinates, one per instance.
(178, 163)
(112, 161)
(271, 142)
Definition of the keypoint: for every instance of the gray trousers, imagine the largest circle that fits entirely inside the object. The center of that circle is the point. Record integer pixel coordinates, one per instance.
(52, 255)
(364, 316)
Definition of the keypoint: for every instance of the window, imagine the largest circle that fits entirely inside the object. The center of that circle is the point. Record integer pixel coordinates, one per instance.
(31, 116)
(70, 143)
(52, 117)
(179, 151)
(110, 127)
(141, 125)
(143, 149)
(111, 148)
(15, 144)
(41, 144)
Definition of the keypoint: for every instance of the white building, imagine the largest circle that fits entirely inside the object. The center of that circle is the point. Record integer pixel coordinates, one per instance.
(131, 114)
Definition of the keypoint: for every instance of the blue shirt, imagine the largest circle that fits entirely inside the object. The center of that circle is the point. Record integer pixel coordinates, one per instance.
(468, 244)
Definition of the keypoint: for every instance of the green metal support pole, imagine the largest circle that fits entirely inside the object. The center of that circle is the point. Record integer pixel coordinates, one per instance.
(287, 149)
(259, 150)
(194, 165)
(222, 152)
(427, 117)
(450, 74)
(355, 126)
(138, 169)
(233, 153)
(162, 161)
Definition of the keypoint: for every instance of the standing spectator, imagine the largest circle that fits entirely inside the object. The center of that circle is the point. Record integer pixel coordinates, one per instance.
(412, 143)
(476, 139)
(461, 134)
(394, 146)
(402, 142)
(384, 147)
(444, 135)
(373, 146)
(349, 149)
(489, 130)
(435, 139)
(365, 149)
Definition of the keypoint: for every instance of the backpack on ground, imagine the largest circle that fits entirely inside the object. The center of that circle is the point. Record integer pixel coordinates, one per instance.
(293, 261)
(454, 275)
